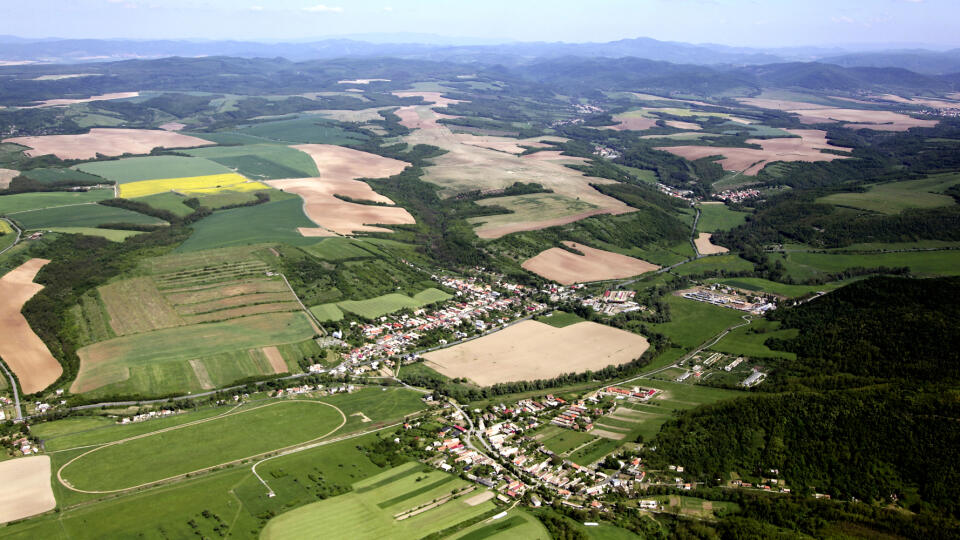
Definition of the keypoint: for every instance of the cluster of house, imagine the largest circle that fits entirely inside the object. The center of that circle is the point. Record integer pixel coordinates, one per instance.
(674, 192)
(26, 446)
(726, 298)
(148, 416)
(474, 301)
(738, 195)
(634, 394)
(574, 417)
(605, 152)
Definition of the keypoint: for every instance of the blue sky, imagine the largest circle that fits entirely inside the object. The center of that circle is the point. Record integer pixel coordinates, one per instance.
(732, 22)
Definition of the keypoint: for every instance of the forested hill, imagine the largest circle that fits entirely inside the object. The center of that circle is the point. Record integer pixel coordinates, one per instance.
(882, 327)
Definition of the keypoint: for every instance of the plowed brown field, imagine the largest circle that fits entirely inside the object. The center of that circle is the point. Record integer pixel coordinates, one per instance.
(566, 268)
(20, 347)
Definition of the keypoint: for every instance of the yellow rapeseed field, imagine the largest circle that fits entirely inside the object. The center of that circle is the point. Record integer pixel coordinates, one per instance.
(191, 184)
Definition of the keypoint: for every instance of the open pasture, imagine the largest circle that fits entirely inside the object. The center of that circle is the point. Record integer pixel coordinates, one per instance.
(81, 215)
(468, 166)
(806, 146)
(106, 141)
(803, 265)
(566, 268)
(25, 202)
(387, 303)
(895, 197)
(116, 360)
(719, 217)
(380, 506)
(241, 433)
(261, 161)
(695, 322)
(21, 349)
(25, 488)
(706, 247)
(535, 211)
(170, 201)
(136, 169)
(533, 350)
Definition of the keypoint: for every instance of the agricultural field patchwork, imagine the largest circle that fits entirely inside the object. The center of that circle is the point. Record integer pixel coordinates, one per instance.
(274, 221)
(106, 141)
(137, 169)
(261, 161)
(26, 202)
(82, 215)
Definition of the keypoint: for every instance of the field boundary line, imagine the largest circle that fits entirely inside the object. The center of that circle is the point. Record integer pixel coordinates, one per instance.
(67, 484)
(50, 208)
(313, 320)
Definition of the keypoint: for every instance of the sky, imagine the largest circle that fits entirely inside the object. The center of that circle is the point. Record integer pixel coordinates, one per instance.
(761, 23)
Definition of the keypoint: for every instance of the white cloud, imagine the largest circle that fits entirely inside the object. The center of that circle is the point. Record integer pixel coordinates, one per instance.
(842, 19)
(388, 8)
(256, 8)
(320, 8)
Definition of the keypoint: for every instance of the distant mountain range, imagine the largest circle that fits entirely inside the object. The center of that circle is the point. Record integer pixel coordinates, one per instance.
(425, 47)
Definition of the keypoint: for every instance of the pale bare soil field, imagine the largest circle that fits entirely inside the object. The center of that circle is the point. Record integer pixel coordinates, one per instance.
(683, 125)
(607, 434)
(275, 359)
(436, 98)
(805, 147)
(566, 268)
(172, 126)
(339, 168)
(812, 113)
(532, 350)
(101, 97)
(20, 347)
(632, 123)
(6, 175)
(653, 97)
(106, 141)
(706, 247)
(928, 102)
(344, 115)
(25, 488)
(471, 163)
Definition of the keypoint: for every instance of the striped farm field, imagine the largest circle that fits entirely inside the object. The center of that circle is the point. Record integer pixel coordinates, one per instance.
(191, 185)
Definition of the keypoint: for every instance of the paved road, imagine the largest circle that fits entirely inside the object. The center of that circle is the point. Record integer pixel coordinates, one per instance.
(16, 241)
(16, 393)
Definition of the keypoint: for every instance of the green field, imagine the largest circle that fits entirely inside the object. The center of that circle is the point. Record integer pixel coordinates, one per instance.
(115, 235)
(692, 323)
(50, 176)
(170, 201)
(533, 207)
(369, 513)
(803, 265)
(261, 161)
(246, 432)
(560, 319)
(562, 440)
(718, 217)
(275, 221)
(727, 263)
(782, 289)
(307, 129)
(158, 361)
(340, 248)
(382, 305)
(83, 215)
(135, 169)
(327, 312)
(749, 340)
(516, 524)
(23, 202)
(895, 197)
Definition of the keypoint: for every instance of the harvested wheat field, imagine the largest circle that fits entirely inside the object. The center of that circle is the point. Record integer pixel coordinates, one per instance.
(532, 350)
(340, 163)
(683, 125)
(20, 347)
(566, 268)
(921, 101)
(25, 488)
(806, 146)
(812, 113)
(101, 97)
(470, 163)
(706, 247)
(172, 126)
(275, 359)
(106, 141)
(434, 98)
(632, 123)
(6, 175)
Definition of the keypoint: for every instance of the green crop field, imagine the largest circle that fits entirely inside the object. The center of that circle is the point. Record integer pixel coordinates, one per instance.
(802, 265)
(516, 524)
(384, 304)
(261, 161)
(566, 440)
(307, 129)
(158, 361)
(692, 323)
(50, 176)
(782, 289)
(594, 451)
(246, 432)
(718, 217)
(339, 248)
(170, 201)
(83, 215)
(327, 312)
(370, 513)
(895, 197)
(275, 221)
(23, 202)
(135, 169)
(114, 235)
(534, 207)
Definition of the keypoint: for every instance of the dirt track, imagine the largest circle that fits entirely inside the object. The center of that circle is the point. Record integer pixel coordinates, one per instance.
(20, 348)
